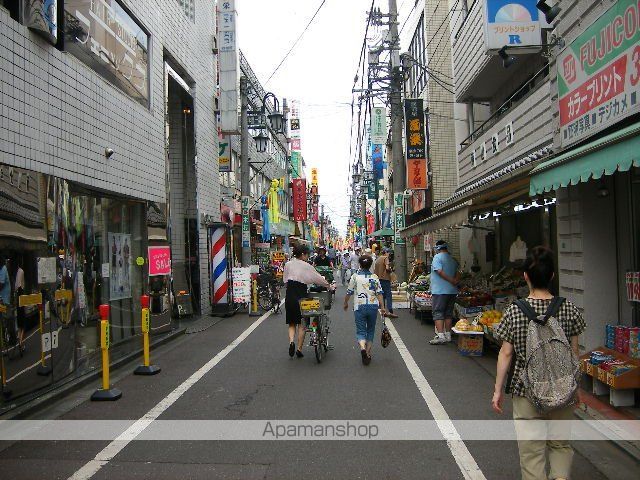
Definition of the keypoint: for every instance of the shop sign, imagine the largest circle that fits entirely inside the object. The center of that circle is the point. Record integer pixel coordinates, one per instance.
(417, 174)
(106, 38)
(41, 16)
(414, 128)
(492, 145)
(511, 23)
(372, 190)
(159, 260)
(224, 155)
(378, 125)
(314, 177)
(398, 206)
(241, 284)
(228, 65)
(246, 225)
(47, 270)
(299, 199)
(599, 74)
(632, 282)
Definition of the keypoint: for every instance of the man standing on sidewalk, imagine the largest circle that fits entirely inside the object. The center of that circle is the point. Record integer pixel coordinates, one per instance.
(444, 290)
(382, 269)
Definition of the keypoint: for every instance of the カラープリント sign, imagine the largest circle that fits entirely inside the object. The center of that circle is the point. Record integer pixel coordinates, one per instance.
(599, 74)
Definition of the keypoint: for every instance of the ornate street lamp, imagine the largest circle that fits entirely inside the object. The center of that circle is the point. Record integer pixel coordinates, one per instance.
(262, 141)
(276, 121)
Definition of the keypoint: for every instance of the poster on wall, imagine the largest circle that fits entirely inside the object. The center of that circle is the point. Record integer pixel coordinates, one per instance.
(599, 74)
(120, 265)
(632, 282)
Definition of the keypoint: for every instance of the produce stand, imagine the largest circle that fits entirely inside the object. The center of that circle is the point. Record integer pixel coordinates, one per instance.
(470, 344)
(614, 373)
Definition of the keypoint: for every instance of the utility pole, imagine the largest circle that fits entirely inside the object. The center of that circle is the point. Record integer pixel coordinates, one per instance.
(399, 167)
(321, 224)
(245, 172)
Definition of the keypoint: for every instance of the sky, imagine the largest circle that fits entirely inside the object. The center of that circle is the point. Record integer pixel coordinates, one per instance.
(319, 73)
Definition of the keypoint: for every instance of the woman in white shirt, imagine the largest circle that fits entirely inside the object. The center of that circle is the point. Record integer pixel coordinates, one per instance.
(367, 293)
(297, 275)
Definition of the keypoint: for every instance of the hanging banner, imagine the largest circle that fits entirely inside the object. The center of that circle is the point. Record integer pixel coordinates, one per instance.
(414, 128)
(599, 74)
(417, 174)
(398, 217)
(377, 160)
(246, 225)
(229, 67)
(507, 22)
(224, 154)
(378, 125)
(314, 177)
(299, 192)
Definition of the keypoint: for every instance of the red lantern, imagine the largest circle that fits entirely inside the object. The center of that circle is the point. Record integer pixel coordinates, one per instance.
(415, 240)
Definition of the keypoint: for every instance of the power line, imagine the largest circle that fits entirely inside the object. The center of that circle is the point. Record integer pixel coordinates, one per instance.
(296, 42)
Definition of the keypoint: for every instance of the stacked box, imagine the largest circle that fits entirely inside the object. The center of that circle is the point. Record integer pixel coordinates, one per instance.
(470, 345)
(622, 339)
(634, 342)
(610, 337)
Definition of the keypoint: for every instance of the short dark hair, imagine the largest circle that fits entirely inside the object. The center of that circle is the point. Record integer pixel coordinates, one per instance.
(365, 261)
(300, 250)
(539, 267)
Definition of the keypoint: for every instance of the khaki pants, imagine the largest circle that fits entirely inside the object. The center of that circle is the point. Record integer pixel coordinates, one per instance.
(533, 453)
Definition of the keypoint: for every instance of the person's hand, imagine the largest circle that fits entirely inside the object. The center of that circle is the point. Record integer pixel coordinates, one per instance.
(496, 401)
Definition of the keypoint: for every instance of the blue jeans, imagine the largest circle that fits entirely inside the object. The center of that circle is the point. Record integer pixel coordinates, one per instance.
(388, 298)
(366, 323)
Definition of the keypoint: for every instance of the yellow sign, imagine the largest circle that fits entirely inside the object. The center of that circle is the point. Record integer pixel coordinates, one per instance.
(63, 294)
(314, 177)
(140, 261)
(278, 256)
(310, 304)
(145, 320)
(28, 300)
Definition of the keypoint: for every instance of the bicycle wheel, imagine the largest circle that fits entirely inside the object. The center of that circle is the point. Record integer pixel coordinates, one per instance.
(264, 299)
(321, 340)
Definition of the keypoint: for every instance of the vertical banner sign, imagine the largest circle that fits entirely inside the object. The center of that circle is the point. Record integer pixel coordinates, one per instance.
(416, 144)
(378, 126)
(314, 177)
(377, 160)
(511, 23)
(599, 74)
(246, 225)
(224, 154)
(632, 282)
(372, 190)
(228, 63)
(398, 223)
(299, 199)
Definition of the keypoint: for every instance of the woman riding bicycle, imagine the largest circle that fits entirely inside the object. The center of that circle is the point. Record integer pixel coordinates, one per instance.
(297, 275)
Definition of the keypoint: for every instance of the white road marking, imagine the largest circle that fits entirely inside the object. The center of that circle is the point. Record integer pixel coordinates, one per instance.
(27, 369)
(459, 450)
(116, 446)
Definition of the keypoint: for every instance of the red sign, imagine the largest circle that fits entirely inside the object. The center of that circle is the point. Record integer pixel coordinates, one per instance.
(632, 282)
(299, 199)
(159, 261)
(416, 174)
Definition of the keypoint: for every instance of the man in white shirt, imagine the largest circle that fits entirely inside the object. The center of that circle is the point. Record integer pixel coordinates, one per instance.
(355, 260)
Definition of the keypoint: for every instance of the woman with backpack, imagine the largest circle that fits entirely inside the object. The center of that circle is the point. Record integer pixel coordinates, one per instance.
(540, 336)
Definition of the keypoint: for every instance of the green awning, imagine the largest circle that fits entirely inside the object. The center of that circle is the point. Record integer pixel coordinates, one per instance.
(383, 232)
(618, 151)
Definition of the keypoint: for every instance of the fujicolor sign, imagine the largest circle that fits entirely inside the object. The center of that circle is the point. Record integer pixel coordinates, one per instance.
(599, 74)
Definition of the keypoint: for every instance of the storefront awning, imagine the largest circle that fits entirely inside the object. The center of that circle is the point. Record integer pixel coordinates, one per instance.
(453, 217)
(618, 151)
(383, 232)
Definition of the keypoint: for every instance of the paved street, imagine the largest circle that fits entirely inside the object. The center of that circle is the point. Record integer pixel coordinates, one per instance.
(258, 381)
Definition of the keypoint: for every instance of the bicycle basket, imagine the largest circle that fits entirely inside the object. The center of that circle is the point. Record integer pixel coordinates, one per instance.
(312, 306)
(326, 297)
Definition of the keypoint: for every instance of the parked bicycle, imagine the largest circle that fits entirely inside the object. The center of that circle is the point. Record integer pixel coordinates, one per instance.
(269, 286)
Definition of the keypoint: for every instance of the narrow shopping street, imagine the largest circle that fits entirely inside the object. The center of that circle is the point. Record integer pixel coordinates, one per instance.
(258, 381)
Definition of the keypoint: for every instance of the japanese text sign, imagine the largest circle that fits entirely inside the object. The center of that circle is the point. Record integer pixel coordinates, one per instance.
(378, 125)
(599, 74)
(241, 284)
(632, 282)
(398, 207)
(246, 225)
(414, 118)
(314, 177)
(159, 260)
(417, 174)
(512, 23)
(299, 199)
(224, 155)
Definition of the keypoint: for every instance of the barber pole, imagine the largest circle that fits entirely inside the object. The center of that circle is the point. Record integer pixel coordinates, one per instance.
(218, 255)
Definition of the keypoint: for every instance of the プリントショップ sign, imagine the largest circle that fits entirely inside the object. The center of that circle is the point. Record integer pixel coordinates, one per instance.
(599, 74)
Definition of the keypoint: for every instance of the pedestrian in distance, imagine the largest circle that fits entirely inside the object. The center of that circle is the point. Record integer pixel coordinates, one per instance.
(444, 290)
(383, 269)
(540, 336)
(345, 268)
(298, 273)
(366, 291)
(321, 259)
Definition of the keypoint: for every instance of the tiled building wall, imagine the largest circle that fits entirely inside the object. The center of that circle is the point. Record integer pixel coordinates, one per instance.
(57, 115)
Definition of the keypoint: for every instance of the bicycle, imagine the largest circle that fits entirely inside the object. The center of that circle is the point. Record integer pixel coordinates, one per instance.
(314, 308)
(269, 292)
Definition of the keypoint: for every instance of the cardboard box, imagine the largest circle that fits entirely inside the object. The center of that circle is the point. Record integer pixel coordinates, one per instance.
(470, 345)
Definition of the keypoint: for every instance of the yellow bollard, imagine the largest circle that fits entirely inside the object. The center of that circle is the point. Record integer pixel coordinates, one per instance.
(36, 299)
(145, 368)
(105, 393)
(253, 311)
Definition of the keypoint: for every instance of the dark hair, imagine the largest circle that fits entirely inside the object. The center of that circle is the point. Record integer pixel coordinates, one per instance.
(300, 250)
(539, 267)
(365, 261)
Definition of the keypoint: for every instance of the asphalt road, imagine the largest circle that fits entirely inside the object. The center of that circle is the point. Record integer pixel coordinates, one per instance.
(257, 380)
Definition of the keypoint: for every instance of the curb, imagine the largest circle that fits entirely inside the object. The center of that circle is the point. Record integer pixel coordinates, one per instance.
(23, 410)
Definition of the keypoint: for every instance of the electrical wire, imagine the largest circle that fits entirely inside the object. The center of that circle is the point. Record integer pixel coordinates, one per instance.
(296, 42)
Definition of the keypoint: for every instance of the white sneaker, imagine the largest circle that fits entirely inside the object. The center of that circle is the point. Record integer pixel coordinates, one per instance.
(439, 339)
(447, 336)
